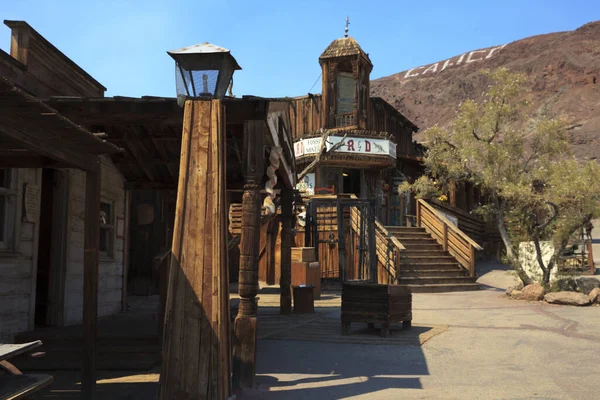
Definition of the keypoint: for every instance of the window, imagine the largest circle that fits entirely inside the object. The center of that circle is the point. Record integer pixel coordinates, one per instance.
(107, 229)
(345, 99)
(8, 201)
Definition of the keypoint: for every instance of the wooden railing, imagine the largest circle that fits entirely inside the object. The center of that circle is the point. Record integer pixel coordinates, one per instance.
(455, 241)
(389, 250)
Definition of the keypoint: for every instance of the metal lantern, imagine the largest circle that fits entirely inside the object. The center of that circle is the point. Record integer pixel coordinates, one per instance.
(203, 70)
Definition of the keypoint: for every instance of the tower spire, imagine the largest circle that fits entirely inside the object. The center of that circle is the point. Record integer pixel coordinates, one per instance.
(346, 29)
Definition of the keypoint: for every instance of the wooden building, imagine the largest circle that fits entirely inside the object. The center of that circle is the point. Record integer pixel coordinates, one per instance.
(42, 202)
(378, 149)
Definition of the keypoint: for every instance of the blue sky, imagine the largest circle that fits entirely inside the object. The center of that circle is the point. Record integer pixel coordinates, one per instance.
(123, 43)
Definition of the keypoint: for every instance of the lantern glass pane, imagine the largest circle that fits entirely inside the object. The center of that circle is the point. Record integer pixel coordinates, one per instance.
(194, 83)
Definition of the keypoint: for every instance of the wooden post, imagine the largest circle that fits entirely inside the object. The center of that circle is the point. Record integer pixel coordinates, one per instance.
(126, 242)
(452, 193)
(472, 262)
(196, 344)
(445, 235)
(244, 349)
(418, 213)
(91, 244)
(287, 238)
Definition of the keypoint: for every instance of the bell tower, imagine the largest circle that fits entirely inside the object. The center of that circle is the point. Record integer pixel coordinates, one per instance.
(346, 70)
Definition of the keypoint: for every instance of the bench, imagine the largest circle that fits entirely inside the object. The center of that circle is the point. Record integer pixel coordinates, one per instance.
(14, 384)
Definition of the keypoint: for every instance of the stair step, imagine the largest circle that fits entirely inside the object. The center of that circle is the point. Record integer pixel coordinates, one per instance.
(444, 287)
(426, 265)
(417, 240)
(412, 259)
(426, 252)
(434, 280)
(421, 246)
(404, 229)
(425, 273)
(412, 235)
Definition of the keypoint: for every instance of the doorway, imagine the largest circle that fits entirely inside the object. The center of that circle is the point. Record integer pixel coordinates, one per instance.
(351, 181)
(51, 263)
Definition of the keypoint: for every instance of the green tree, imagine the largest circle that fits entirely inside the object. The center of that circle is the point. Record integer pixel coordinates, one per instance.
(535, 189)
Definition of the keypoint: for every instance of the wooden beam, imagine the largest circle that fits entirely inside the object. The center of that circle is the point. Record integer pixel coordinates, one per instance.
(244, 350)
(287, 239)
(133, 146)
(145, 185)
(90, 283)
(45, 146)
(24, 162)
(196, 343)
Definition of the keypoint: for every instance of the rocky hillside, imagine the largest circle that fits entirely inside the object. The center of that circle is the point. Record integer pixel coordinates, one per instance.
(563, 71)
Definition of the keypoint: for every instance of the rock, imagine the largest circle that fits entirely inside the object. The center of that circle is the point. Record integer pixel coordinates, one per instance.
(595, 296)
(533, 292)
(586, 285)
(565, 285)
(567, 298)
(515, 294)
(510, 289)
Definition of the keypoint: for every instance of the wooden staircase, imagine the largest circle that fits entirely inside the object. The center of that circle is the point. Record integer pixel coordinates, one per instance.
(426, 267)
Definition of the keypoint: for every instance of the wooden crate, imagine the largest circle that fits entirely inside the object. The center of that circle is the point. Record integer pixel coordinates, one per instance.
(307, 273)
(373, 303)
(304, 302)
(303, 254)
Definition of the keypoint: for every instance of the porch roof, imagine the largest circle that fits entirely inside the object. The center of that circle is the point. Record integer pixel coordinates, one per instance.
(32, 134)
(149, 129)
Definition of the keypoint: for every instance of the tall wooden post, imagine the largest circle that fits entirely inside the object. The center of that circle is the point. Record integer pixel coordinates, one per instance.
(244, 349)
(91, 243)
(196, 343)
(452, 196)
(287, 239)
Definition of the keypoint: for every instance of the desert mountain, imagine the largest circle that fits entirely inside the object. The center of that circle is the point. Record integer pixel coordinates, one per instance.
(563, 76)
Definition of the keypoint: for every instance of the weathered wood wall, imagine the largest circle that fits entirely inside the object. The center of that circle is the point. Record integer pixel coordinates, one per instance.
(307, 118)
(110, 284)
(18, 268)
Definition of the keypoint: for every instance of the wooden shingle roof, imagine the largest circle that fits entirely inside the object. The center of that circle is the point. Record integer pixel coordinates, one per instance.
(343, 47)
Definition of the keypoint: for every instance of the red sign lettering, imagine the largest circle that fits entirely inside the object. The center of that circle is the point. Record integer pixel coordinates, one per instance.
(351, 145)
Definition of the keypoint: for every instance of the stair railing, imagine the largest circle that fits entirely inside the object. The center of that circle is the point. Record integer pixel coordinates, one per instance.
(389, 250)
(452, 239)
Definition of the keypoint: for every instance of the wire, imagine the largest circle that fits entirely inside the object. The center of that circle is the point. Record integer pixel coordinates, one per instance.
(311, 88)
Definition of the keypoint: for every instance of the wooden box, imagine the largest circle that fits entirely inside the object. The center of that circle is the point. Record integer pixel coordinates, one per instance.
(307, 273)
(304, 254)
(373, 303)
(304, 301)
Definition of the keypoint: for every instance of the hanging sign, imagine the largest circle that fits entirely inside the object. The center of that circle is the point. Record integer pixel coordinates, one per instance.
(352, 144)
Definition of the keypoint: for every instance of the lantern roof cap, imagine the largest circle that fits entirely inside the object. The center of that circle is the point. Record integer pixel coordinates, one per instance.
(203, 48)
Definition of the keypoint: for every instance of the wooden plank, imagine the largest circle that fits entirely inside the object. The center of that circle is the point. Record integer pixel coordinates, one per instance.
(15, 387)
(8, 351)
(90, 283)
(196, 321)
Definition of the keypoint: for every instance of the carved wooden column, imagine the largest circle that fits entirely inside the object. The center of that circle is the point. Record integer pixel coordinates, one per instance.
(287, 239)
(244, 350)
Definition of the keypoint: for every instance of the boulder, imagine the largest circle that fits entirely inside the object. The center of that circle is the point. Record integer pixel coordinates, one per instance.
(595, 296)
(567, 298)
(586, 285)
(566, 285)
(533, 292)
